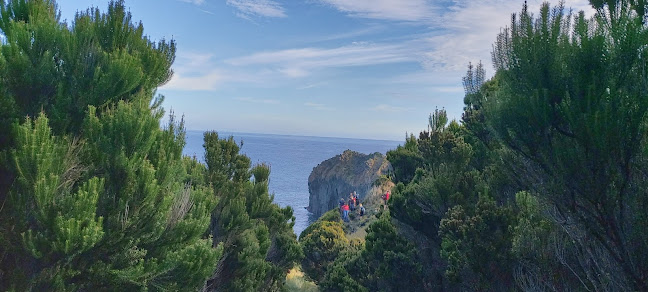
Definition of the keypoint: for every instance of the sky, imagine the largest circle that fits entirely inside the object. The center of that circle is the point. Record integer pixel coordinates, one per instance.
(371, 69)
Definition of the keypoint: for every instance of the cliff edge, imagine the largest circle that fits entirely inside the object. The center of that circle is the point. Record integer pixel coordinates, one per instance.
(337, 177)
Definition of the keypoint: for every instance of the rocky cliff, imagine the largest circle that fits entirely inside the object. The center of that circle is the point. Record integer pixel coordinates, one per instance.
(337, 177)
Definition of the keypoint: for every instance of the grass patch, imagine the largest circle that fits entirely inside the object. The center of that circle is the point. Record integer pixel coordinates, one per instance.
(296, 280)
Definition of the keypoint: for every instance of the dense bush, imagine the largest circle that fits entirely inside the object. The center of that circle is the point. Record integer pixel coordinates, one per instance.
(257, 235)
(322, 243)
(542, 185)
(95, 193)
(385, 262)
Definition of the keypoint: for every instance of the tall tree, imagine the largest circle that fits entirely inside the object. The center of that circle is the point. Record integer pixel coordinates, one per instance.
(260, 246)
(96, 195)
(572, 104)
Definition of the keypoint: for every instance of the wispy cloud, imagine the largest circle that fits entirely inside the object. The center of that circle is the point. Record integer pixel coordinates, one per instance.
(294, 72)
(389, 108)
(465, 30)
(401, 10)
(445, 41)
(257, 100)
(257, 8)
(207, 11)
(299, 62)
(209, 81)
(195, 72)
(318, 106)
(348, 34)
(311, 85)
(197, 2)
(460, 31)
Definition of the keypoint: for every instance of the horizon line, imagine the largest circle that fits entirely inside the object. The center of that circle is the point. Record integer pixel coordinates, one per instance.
(291, 135)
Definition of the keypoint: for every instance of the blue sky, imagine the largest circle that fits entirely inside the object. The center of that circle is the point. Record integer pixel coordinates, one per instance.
(339, 68)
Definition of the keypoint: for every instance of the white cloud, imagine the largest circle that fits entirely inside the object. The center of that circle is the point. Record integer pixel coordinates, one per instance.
(299, 62)
(195, 72)
(400, 10)
(252, 8)
(468, 29)
(461, 32)
(208, 81)
(194, 60)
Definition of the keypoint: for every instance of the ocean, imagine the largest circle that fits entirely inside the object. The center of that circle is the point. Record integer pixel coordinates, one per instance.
(291, 160)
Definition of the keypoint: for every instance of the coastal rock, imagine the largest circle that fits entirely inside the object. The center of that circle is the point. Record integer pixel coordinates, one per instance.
(337, 177)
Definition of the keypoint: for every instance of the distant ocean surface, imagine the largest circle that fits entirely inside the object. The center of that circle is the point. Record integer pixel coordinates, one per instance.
(291, 160)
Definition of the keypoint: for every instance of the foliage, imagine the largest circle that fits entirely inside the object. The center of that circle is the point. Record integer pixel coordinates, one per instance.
(563, 117)
(118, 221)
(338, 278)
(572, 105)
(389, 260)
(322, 242)
(446, 178)
(477, 245)
(384, 263)
(332, 215)
(544, 257)
(95, 193)
(296, 281)
(99, 59)
(405, 160)
(260, 246)
(541, 186)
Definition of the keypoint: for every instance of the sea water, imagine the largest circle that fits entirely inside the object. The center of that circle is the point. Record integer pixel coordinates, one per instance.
(291, 160)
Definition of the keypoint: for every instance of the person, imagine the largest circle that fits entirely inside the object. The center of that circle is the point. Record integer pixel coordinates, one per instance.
(345, 212)
(351, 202)
(385, 198)
(362, 209)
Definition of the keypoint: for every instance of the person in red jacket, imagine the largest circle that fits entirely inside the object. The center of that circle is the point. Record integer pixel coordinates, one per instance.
(345, 212)
(385, 198)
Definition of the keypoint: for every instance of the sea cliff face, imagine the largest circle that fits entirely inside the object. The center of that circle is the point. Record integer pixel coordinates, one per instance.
(337, 177)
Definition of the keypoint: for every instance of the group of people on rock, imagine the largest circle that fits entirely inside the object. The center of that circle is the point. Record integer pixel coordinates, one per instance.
(351, 205)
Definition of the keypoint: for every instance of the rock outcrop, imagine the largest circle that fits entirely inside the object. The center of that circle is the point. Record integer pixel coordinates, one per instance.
(337, 177)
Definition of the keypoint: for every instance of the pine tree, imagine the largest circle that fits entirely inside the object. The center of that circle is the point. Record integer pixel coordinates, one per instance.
(476, 244)
(572, 106)
(97, 195)
(260, 246)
